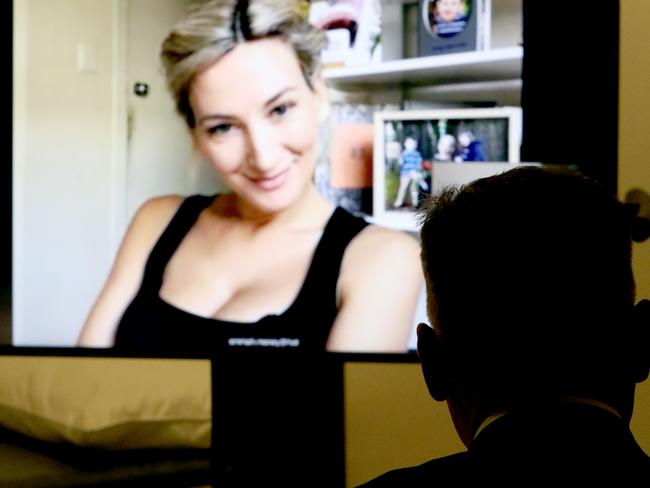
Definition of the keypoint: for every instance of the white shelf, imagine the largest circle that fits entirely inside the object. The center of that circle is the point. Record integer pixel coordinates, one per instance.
(501, 92)
(467, 67)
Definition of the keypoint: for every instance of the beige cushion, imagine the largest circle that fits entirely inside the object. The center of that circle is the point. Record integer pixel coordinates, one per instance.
(115, 403)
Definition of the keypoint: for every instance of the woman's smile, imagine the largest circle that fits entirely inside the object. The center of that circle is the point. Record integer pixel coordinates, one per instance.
(271, 181)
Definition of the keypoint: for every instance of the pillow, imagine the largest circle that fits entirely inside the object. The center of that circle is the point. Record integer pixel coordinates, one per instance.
(114, 403)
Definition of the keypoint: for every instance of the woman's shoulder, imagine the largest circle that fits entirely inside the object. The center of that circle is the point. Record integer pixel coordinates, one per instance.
(379, 285)
(151, 219)
(159, 207)
(157, 211)
(377, 243)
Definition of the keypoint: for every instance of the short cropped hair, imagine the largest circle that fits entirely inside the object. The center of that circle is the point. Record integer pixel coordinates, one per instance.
(212, 29)
(528, 273)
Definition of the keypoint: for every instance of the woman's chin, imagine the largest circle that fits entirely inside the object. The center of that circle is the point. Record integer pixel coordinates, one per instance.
(271, 202)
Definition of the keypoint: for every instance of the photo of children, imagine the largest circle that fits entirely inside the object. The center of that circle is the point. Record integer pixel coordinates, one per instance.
(413, 146)
(410, 176)
(419, 152)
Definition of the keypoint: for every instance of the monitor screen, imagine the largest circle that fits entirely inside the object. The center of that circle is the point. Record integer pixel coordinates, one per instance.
(92, 122)
(87, 158)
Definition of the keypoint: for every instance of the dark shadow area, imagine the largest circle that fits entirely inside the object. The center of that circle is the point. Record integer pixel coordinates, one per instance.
(6, 195)
(570, 87)
(278, 419)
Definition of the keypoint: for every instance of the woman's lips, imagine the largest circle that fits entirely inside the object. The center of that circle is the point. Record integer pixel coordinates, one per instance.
(271, 182)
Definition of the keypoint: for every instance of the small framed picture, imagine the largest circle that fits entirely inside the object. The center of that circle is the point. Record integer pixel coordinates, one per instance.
(452, 26)
(419, 152)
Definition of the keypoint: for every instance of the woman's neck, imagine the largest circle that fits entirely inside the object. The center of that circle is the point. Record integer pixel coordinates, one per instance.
(305, 211)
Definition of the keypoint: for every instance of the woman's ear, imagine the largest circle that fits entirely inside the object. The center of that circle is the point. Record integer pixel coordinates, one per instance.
(432, 358)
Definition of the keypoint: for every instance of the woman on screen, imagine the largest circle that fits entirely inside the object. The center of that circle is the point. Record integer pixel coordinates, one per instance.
(272, 263)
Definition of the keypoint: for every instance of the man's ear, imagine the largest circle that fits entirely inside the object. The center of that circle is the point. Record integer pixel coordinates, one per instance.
(641, 327)
(431, 352)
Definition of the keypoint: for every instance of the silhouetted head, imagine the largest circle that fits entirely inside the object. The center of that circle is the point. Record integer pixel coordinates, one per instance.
(531, 292)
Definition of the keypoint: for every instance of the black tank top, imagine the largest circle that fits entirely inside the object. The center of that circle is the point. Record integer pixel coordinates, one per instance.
(151, 323)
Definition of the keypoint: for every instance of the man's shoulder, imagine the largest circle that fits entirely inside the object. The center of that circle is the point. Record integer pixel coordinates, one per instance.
(435, 471)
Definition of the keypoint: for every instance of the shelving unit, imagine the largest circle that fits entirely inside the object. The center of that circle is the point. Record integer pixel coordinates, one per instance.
(468, 67)
(470, 79)
(478, 76)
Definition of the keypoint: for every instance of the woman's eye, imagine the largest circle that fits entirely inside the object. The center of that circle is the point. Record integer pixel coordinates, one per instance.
(281, 109)
(219, 129)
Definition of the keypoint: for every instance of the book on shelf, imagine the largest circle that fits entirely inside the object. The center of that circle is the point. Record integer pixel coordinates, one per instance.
(353, 30)
(453, 26)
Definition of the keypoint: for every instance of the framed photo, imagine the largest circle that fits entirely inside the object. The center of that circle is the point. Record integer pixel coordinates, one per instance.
(451, 26)
(419, 152)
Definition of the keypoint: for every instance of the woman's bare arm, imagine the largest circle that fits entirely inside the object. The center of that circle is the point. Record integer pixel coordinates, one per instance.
(126, 275)
(381, 279)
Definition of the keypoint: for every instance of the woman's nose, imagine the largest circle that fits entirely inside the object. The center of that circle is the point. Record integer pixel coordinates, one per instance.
(262, 148)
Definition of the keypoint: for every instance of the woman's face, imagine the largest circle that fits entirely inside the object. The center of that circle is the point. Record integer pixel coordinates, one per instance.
(257, 122)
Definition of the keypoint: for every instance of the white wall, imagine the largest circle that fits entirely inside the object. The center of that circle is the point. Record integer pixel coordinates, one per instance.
(160, 159)
(68, 163)
(80, 168)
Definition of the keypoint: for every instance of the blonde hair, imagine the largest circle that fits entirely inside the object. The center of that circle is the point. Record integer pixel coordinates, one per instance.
(212, 29)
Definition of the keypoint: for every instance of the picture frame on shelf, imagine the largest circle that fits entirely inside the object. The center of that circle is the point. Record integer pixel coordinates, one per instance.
(453, 26)
(419, 152)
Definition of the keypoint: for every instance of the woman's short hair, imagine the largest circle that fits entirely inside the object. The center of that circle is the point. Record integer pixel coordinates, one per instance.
(212, 29)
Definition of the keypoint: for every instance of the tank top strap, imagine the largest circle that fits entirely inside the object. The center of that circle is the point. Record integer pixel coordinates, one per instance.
(180, 224)
(320, 283)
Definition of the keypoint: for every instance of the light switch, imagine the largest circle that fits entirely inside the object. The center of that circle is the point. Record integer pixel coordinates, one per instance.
(86, 59)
